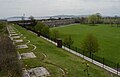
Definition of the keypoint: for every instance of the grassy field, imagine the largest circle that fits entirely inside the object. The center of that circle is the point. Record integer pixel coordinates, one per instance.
(108, 37)
(57, 58)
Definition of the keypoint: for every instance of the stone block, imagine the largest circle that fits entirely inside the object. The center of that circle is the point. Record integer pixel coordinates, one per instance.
(18, 41)
(39, 72)
(16, 37)
(22, 46)
(28, 55)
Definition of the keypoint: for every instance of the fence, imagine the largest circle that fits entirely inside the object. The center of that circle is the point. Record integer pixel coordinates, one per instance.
(97, 58)
(93, 56)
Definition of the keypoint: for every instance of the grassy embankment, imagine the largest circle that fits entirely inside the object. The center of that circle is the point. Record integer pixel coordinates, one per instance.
(57, 58)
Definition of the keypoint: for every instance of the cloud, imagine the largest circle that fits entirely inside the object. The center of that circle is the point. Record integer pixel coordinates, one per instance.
(55, 7)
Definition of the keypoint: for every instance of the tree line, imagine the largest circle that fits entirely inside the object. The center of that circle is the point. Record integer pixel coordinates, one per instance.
(99, 19)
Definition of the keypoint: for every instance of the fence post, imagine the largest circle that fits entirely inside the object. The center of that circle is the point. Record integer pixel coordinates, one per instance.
(76, 49)
(117, 68)
(69, 47)
(103, 61)
(90, 54)
(92, 58)
(83, 54)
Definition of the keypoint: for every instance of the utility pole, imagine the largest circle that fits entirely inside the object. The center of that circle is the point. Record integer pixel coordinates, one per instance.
(23, 17)
(24, 20)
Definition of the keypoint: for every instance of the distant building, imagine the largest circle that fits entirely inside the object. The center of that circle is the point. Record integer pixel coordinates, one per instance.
(53, 23)
(3, 20)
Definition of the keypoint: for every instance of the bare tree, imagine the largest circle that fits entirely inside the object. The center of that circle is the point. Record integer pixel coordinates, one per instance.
(68, 41)
(90, 44)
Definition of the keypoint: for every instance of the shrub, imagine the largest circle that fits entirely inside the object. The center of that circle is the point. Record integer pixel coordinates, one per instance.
(9, 63)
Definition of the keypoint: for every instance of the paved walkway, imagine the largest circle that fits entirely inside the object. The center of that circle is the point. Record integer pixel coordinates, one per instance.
(87, 58)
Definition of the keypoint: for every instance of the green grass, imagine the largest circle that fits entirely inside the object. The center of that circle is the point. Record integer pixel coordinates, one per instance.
(108, 37)
(57, 57)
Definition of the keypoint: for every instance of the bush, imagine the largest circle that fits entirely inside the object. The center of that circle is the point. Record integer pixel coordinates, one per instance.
(45, 31)
(9, 63)
(54, 34)
(2, 25)
(42, 29)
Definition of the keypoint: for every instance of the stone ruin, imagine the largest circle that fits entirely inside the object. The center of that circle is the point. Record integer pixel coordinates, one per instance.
(22, 46)
(36, 72)
(28, 55)
(18, 41)
(16, 37)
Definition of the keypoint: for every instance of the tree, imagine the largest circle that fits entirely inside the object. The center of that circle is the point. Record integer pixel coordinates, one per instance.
(38, 27)
(33, 21)
(1, 25)
(42, 29)
(51, 18)
(59, 18)
(117, 22)
(45, 31)
(31, 18)
(90, 44)
(94, 19)
(110, 21)
(99, 17)
(83, 20)
(2, 28)
(55, 34)
(77, 20)
(68, 41)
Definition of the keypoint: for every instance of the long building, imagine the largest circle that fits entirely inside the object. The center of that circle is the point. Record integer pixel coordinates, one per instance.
(54, 23)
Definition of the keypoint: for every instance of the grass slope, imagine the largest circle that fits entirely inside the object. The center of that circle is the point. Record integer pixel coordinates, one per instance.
(108, 37)
(57, 57)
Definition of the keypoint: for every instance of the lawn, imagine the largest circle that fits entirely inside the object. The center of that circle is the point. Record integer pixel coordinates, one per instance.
(57, 58)
(108, 37)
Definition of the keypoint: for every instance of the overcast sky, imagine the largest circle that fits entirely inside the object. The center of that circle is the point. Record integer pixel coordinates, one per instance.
(58, 7)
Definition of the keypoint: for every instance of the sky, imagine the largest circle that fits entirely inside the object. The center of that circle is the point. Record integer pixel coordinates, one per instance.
(37, 8)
